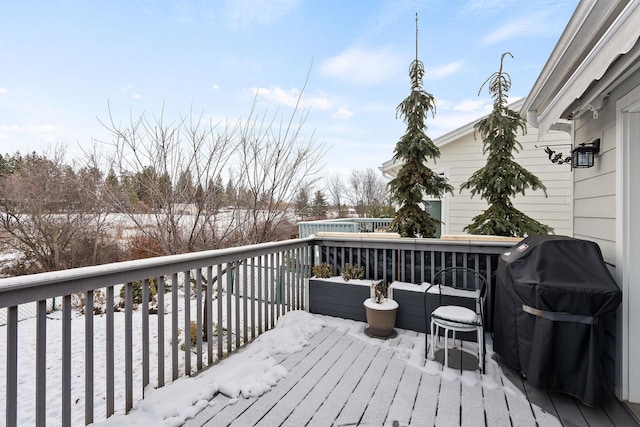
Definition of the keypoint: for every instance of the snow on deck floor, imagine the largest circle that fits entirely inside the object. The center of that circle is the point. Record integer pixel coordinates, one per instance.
(310, 369)
(344, 377)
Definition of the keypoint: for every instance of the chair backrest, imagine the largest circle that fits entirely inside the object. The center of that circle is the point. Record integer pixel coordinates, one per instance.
(461, 278)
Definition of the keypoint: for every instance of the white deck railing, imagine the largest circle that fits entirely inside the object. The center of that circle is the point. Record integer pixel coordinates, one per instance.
(231, 295)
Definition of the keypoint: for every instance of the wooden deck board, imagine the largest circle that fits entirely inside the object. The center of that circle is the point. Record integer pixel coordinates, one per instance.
(404, 400)
(383, 396)
(472, 406)
(325, 388)
(339, 379)
(448, 403)
(266, 402)
(617, 413)
(302, 391)
(567, 410)
(357, 402)
(332, 406)
(424, 411)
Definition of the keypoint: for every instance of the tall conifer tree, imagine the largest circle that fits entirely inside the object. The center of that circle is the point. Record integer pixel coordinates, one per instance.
(415, 180)
(502, 178)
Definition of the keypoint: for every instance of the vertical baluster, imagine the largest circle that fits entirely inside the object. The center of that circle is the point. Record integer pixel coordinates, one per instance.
(160, 318)
(297, 274)
(209, 316)
(187, 323)
(272, 286)
(413, 266)
(199, 320)
(66, 360)
(229, 294)
(237, 295)
(145, 333)
(219, 311)
(489, 290)
(289, 267)
(174, 326)
(245, 296)
(278, 284)
(128, 346)
(384, 264)
(261, 298)
(11, 414)
(88, 358)
(432, 265)
(41, 364)
(253, 298)
(110, 353)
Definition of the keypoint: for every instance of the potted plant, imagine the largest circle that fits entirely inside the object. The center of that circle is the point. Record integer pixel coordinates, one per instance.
(380, 310)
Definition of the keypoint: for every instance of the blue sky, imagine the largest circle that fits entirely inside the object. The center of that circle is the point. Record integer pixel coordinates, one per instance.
(62, 62)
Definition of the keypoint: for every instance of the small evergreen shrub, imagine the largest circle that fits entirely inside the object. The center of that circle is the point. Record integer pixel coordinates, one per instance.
(137, 291)
(352, 272)
(323, 270)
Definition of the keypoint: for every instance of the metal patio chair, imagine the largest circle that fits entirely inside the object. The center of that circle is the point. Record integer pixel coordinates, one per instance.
(457, 293)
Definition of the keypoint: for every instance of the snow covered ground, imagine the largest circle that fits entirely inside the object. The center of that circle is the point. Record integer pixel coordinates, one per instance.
(250, 372)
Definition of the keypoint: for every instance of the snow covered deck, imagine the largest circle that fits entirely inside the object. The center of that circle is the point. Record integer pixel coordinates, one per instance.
(344, 378)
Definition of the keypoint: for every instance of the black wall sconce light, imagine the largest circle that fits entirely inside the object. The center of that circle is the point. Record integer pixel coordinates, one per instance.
(584, 154)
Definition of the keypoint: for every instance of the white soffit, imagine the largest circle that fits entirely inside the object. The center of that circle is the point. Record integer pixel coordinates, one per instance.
(618, 40)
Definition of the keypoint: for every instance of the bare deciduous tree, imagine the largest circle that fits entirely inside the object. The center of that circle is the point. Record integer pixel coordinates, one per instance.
(336, 190)
(174, 165)
(52, 213)
(275, 160)
(366, 189)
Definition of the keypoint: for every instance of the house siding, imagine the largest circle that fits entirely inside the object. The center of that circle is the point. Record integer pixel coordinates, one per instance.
(594, 204)
(463, 156)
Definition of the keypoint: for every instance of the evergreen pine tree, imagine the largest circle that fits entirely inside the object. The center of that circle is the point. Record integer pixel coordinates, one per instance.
(302, 208)
(415, 180)
(502, 178)
(320, 206)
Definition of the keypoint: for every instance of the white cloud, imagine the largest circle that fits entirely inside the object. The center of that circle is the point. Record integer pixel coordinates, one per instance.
(215, 87)
(363, 67)
(4, 90)
(472, 105)
(244, 13)
(43, 128)
(482, 7)
(443, 71)
(290, 98)
(541, 23)
(10, 128)
(342, 113)
(126, 89)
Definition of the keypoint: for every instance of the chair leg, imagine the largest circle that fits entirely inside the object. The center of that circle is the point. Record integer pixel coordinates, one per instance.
(446, 347)
(480, 349)
(435, 337)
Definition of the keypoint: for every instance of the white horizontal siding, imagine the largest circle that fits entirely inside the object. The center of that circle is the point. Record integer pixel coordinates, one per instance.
(594, 205)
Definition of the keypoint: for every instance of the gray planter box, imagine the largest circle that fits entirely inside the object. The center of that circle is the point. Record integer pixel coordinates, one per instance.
(410, 298)
(335, 297)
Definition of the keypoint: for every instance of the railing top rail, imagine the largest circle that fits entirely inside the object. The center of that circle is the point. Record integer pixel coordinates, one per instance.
(346, 220)
(34, 287)
(367, 239)
(21, 289)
